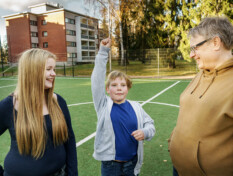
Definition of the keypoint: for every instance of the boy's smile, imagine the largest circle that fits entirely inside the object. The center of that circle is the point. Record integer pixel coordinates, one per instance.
(118, 90)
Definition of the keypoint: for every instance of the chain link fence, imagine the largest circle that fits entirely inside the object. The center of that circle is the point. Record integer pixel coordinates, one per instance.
(156, 63)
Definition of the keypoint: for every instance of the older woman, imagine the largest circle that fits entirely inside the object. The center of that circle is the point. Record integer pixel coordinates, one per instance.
(202, 141)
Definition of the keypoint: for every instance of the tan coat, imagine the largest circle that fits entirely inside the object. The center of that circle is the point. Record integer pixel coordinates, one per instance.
(202, 141)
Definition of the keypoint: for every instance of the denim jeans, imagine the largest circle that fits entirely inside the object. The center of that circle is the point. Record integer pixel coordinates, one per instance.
(175, 173)
(114, 168)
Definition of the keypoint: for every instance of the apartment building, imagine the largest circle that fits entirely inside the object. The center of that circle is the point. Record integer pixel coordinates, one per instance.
(72, 36)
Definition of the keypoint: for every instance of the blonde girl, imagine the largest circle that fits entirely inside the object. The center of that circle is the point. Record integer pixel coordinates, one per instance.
(42, 139)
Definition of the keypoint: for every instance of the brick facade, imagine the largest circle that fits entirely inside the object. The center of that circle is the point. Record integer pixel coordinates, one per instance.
(18, 36)
(69, 35)
(56, 31)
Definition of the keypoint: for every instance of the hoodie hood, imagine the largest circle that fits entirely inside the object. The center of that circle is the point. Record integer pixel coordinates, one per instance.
(212, 74)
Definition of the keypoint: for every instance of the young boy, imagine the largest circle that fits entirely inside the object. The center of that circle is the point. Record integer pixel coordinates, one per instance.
(122, 124)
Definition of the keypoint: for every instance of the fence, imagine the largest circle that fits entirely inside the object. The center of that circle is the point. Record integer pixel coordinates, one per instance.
(157, 63)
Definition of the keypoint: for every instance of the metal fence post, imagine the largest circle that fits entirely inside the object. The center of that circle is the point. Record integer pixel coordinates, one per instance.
(1, 56)
(158, 62)
(72, 66)
(12, 70)
(64, 69)
(2, 67)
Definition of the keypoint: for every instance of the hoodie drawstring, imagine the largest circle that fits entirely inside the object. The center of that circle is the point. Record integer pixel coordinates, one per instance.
(214, 76)
(197, 83)
(211, 82)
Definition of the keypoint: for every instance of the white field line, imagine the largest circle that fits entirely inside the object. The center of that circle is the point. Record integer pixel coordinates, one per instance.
(6, 69)
(7, 79)
(85, 139)
(8, 86)
(80, 104)
(93, 134)
(164, 90)
(166, 104)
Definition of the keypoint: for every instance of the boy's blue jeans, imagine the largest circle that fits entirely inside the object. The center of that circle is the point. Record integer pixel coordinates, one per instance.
(114, 168)
(175, 173)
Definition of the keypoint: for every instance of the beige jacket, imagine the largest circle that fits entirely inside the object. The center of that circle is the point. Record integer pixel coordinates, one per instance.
(202, 141)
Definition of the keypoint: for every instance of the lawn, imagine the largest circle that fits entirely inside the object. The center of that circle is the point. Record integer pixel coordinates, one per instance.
(77, 92)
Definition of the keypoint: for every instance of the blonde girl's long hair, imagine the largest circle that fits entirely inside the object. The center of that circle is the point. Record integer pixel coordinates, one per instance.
(30, 125)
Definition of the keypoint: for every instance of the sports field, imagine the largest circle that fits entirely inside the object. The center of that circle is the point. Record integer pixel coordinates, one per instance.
(159, 98)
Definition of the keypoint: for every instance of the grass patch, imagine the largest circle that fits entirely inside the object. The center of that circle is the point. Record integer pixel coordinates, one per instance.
(78, 90)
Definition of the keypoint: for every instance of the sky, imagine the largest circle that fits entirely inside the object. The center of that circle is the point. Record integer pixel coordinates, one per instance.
(8, 7)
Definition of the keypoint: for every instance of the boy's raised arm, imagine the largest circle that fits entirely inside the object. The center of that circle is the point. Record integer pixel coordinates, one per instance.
(99, 74)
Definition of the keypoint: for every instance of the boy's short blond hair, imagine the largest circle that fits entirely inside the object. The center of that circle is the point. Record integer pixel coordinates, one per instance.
(118, 74)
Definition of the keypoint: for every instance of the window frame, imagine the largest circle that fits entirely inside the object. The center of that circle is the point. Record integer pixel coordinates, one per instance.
(45, 44)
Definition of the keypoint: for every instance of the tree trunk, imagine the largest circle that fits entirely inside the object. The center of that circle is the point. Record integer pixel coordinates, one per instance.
(122, 46)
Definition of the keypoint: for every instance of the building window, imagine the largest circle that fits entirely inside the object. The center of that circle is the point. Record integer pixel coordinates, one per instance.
(35, 45)
(43, 22)
(72, 44)
(92, 53)
(71, 21)
(84, 53)
(84, 21)
(44, 33)
(90, 22)
(70, 32)
(33, 23)
(34, 34)
(72, 55)
(45, 45)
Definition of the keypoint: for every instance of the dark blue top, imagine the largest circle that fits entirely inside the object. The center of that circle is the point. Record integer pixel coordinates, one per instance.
(124, 121)
(54, 156)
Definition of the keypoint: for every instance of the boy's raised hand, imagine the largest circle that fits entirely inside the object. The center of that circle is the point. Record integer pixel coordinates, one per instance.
(106, 42)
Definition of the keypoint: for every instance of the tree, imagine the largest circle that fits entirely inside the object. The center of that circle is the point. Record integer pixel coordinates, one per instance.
(194, 12)
(104, 22)
(3, 51)
(114, 9)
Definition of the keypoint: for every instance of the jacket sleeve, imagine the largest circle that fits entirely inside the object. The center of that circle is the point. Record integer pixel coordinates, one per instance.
(98, 78)
(148, 126)
(70, 145)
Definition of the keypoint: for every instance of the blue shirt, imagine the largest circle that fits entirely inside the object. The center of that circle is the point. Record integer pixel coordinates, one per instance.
(124, 121)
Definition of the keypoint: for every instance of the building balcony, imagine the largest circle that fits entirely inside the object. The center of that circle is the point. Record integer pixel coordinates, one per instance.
(84, 36)
(91, 27)
(92, 37)
(88, 58)
(84, 25)
(85, 47)
(92, 47)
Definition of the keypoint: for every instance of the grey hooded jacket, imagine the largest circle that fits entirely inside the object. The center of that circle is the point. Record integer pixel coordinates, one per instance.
(104, 148)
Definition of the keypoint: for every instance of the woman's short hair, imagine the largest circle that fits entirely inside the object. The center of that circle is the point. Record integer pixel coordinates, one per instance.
(118, 74)
(215, 26)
